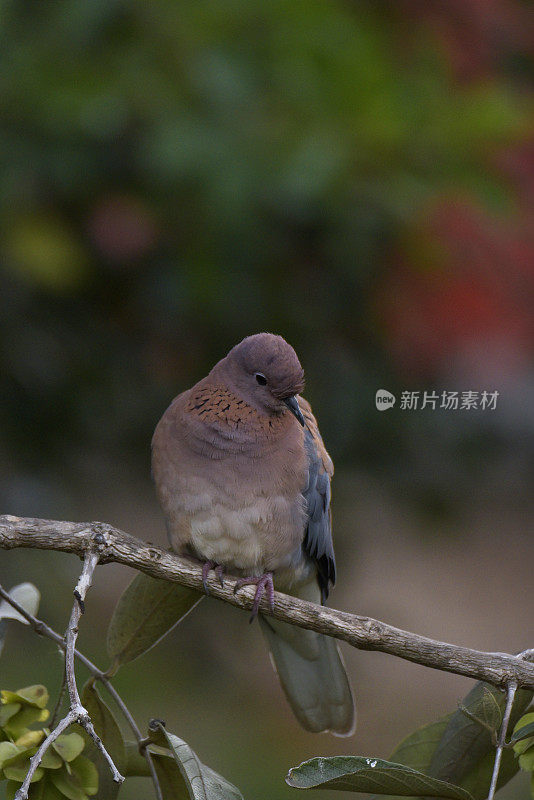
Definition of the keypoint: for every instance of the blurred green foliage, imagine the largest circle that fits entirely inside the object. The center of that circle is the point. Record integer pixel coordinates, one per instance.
(174, 177)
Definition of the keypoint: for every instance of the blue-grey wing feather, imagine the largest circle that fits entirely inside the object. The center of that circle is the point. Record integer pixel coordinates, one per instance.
(318, 544)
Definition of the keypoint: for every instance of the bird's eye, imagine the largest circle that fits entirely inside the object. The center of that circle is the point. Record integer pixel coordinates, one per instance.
(262, 380)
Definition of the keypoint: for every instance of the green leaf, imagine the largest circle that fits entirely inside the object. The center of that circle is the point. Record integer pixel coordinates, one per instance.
(27, 715)
(11, 789)
(18, 772)
(523, 729)
(490, 711)
(43, 790)
(147, 610)
(8, 751)
(51, 760)
(68, 785)
(69, 746)
(49, 791)
(172, 783)
(359, 774)
(24, 754)
(477, 782)
(465, 742)
(218, 788)
(35, 696)
(523, 733)
(7, 711)
(198, 781)
(86, 773)
(108, 729)
(105, 724)
(30, 739)
(136, 764)
(417, 749)
(526, 760)
(26, 595)
(186, 760)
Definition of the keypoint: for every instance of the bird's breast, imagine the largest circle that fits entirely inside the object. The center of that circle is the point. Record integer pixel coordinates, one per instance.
(230, 482)
(261, 535)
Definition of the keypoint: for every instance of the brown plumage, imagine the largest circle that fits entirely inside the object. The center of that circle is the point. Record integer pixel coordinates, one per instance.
(243, 477)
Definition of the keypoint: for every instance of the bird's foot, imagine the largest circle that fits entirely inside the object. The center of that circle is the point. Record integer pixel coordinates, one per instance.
(264, 585)
(219, 571)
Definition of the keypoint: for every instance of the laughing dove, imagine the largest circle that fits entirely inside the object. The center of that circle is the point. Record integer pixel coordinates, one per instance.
(243, 477)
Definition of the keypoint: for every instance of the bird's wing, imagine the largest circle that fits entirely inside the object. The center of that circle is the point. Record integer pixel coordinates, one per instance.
(318, 542)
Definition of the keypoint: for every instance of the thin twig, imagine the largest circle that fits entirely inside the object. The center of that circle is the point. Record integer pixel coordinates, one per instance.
(36, 759)
(78, 608)
(137, 733)
(77, 713)
(42, 629)
(60, 697)
(359, 631)
(501, 740)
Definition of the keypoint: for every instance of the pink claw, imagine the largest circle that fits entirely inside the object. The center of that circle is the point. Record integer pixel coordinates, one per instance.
(264, 585)
(219, 571)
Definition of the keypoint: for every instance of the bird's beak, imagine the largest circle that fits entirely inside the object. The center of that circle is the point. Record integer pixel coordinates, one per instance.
(292, 404)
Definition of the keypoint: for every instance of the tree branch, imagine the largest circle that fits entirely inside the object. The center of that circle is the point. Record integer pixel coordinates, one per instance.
(78, 608)
(42, 629)
(364, 633)
(35, 760)
(501, 741)
(77, 713)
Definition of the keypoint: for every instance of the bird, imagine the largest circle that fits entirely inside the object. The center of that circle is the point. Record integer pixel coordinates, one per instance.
(243, 477)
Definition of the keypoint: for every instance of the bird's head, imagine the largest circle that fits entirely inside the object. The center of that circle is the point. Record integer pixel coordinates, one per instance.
(266, 371)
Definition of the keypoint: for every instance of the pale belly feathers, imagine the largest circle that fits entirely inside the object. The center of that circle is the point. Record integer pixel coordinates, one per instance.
(263, 535)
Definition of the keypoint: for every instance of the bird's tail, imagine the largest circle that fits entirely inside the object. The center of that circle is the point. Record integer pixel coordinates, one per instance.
(312, 673)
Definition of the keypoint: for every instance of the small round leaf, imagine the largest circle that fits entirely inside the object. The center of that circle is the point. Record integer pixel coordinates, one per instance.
(86, 773)
(36, 696)
(69, 746)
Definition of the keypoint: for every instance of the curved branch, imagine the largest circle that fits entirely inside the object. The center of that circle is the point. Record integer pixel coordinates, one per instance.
(361, 632)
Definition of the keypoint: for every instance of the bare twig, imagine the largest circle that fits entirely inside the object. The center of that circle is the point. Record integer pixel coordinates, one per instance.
(137, 733)
(59, 701)
(43, 629)
(361, 632)
(36, 759)
(501, 740)
(77, 713)
(78, 608)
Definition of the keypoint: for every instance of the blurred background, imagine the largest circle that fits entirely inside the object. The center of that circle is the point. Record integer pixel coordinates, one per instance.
(357, 176)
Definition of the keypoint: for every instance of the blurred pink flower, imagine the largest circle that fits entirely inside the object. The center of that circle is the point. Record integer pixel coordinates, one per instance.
(122, 228)
(462, 288)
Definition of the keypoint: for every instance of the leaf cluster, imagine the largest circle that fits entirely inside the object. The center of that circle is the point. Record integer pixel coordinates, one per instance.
(181, 774)
(147, 610)
(452, 757)
(63, 772)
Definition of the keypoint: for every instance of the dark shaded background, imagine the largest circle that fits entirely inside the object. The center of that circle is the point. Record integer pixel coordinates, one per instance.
(357, 176)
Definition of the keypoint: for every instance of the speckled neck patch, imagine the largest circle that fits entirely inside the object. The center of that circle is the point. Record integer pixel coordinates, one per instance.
(217, 406)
